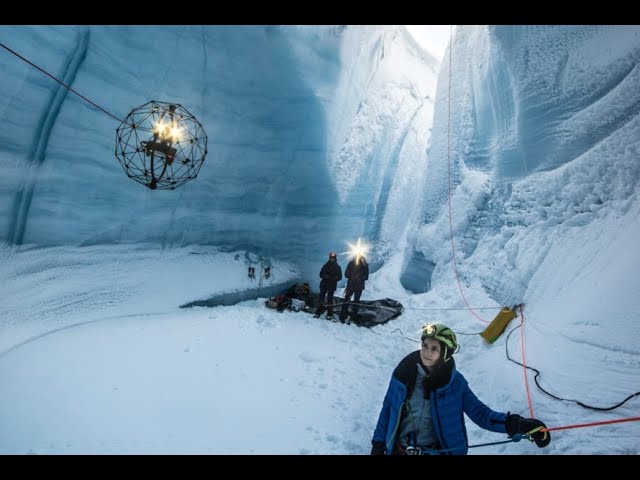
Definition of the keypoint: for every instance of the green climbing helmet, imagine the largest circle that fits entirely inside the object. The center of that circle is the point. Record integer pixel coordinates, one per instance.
(443, 334)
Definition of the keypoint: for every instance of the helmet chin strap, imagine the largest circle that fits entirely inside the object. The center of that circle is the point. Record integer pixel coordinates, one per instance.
(445, 357)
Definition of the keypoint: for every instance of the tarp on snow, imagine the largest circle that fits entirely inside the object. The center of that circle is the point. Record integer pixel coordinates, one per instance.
(371, 312)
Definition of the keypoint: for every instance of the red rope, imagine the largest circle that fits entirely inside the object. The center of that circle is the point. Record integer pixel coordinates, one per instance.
(524, 362)
(591, 424)
(453, 248)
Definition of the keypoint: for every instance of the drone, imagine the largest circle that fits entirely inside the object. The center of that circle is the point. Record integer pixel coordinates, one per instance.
(161, 145)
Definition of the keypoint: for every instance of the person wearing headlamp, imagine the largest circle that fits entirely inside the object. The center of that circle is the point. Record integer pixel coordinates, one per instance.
(422, 411)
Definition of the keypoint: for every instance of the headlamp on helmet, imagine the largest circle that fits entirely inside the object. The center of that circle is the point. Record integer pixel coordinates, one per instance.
(443, 334)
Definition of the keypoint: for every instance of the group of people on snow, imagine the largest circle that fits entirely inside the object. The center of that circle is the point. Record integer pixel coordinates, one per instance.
(357, 273)
(427, 398)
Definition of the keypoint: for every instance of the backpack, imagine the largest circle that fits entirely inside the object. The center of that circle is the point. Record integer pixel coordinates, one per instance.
(279, 302)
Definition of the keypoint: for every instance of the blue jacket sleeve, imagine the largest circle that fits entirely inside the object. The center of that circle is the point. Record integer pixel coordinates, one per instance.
(380, 433)
(388, 419)
(482, 415)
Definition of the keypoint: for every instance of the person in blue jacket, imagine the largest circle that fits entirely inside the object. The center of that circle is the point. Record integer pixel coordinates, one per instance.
(422, 411)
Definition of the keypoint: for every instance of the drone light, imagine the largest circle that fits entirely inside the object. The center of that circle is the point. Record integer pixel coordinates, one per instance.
(159, 128)
(175, 133)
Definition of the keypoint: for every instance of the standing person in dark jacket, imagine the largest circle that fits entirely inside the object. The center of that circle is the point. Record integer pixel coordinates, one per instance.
(422, 412)
(357, 273)
(331, 274)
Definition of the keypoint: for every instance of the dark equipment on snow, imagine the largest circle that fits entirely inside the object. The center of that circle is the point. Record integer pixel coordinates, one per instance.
(371, 313)
(161, 145)
(280, 302)
(375, 312)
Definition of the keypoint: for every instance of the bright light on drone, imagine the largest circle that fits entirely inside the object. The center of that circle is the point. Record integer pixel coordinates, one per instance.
(159, 127)
(176, 133)
(168, 132)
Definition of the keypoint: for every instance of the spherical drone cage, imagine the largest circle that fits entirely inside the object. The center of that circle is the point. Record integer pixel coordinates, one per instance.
(161, 145)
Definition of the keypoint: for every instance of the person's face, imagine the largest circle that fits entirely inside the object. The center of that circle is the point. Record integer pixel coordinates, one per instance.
(430, 352)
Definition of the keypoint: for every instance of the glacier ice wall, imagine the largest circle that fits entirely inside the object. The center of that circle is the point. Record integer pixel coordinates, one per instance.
(537, 131)
(306, 127)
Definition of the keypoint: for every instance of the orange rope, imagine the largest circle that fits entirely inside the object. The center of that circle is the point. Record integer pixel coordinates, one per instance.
(524, 362)
(591, 424)
(453, 248)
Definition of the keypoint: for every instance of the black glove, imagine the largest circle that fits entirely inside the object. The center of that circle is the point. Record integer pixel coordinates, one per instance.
(516, 424)
(378, 448)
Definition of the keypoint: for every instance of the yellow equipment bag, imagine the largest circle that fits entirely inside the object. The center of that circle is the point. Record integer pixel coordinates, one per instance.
(497, 326)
